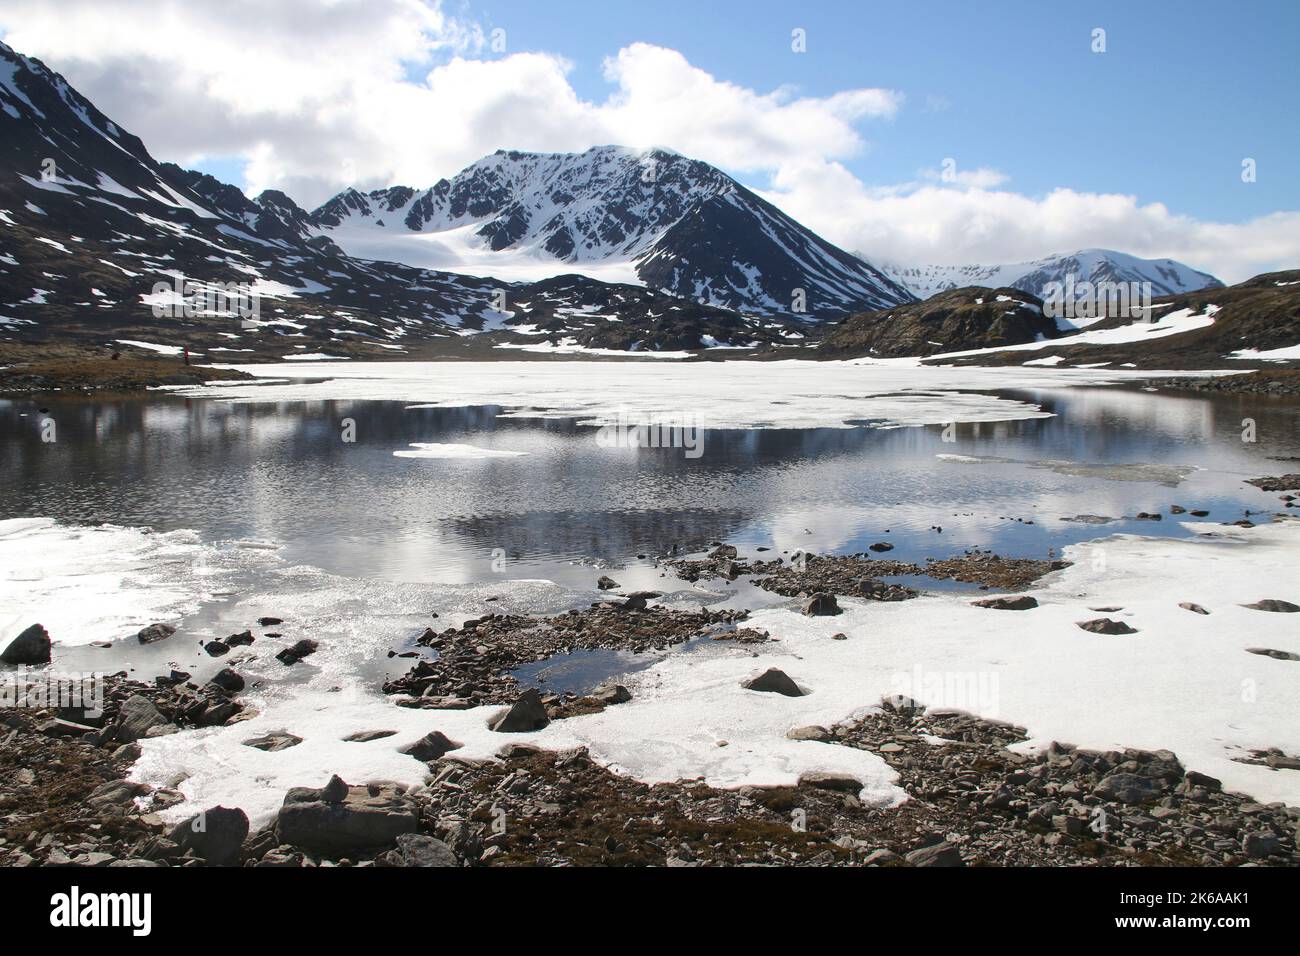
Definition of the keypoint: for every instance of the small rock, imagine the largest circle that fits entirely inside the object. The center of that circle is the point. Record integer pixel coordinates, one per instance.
(217, 648)
(292, 655)
(821, 605)
(1275, 654)
(1194, 608)
(882, 546)
(811, 732)
(1271, 604)
(276, 740)
(155, 633)
(1021, 603)
(611, 694)
(430, 747)
(1106, 625)
(269, 621)
(365, 736)
(774, 681)
(840, 782)
(606, 583)
(939, 854)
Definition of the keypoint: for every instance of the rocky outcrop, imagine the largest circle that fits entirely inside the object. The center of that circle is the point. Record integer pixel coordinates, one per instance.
(968, 318)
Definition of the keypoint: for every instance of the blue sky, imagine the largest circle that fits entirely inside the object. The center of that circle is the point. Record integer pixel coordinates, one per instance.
(1057, 148)
(1183, 92)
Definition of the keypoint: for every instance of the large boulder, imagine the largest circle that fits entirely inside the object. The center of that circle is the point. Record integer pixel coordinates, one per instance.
(214, 835)
(526, 714)
(335, 820)
(137, 717)
(32, 646)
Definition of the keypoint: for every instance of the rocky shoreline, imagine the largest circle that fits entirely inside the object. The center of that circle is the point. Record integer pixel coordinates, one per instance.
(973, 798)
(64, 801)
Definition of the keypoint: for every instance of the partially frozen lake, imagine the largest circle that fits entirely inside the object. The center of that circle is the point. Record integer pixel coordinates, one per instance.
(293, 498)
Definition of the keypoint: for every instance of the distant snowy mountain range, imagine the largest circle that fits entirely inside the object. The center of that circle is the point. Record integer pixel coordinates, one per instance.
(1166, 276)
(609, 249)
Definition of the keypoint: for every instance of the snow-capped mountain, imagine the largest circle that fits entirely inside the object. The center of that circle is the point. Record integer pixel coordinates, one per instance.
(1167, 277)
(90, 222)
(641, 216)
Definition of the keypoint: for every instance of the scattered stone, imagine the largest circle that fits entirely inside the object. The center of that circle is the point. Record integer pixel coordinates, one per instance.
(292, 655)
(611, 694)
(774, 681)
(606, 583)
(840, 782)
(1275, 654)
(938, 854)
(1106, 625)
(882, 546)
(902, 704)
(430, 747)
(155, 633)
(269, 621)
(276, 740)
(242, 639)
(811, 732)
(1271, 604)
(217, 648)
(1022, 603)
(1147, 516)
(1194, 608)
(1283, 483)
(365, 736)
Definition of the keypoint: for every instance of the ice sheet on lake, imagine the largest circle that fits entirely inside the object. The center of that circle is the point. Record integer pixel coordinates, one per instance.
(453, 451)
(87, 584)
(777, 394)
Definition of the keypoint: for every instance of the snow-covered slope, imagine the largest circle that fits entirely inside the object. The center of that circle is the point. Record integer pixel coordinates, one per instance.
(616, 214)
(1166, 276)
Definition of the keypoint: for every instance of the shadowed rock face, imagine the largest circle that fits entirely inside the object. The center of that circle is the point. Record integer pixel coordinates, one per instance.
(32, 646)
(970, 318)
